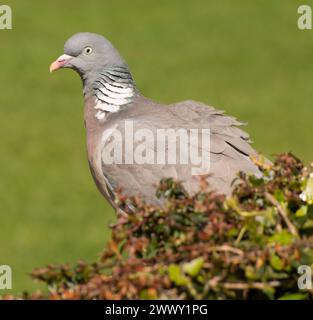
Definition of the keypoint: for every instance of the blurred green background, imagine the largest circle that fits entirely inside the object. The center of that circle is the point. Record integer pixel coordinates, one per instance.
(247, 57)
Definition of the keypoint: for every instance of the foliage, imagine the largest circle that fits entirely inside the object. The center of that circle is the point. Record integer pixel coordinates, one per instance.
(248, 246)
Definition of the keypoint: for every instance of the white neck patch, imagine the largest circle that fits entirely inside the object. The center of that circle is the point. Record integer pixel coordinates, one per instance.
(113, 89)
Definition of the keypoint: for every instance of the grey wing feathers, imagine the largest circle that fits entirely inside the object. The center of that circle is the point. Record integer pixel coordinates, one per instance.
(230, 147)
(223, 127)
(229, 150)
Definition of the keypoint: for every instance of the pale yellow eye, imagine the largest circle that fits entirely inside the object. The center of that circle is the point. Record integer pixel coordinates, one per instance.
(88, 50)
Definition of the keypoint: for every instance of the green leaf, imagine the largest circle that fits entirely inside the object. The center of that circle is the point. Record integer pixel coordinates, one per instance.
(283, 238)
(250, 273)
(176, 275)
(276, 262)
(233, 232)
(193, 267)
(294, 296)
(269, 291)
(255, 181)
(279, 195)
(301, 212)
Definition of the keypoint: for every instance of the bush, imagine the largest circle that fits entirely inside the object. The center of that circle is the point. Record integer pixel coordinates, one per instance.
(204, 246)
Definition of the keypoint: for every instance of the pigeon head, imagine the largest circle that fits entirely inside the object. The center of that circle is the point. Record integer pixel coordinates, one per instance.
(87, 53)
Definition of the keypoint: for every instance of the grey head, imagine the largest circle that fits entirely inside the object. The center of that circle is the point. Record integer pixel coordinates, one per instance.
(88, 53)
(102, 69)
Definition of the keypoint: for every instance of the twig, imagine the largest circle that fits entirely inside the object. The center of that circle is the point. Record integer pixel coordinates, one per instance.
(227, 248)
(253, 285)
(241, 234)
(283, 213)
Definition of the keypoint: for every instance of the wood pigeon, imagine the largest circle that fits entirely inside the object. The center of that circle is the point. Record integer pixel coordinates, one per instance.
(133, 142)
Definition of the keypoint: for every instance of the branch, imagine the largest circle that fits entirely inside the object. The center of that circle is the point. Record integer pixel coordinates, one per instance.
(283, 213)
(253, 285)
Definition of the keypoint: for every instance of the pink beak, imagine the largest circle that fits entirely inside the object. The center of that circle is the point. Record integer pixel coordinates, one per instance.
(60, 62)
